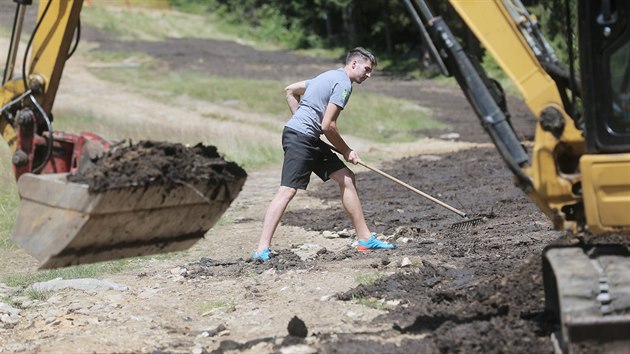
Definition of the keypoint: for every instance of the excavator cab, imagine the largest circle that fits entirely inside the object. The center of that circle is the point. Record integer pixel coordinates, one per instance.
(70, 211)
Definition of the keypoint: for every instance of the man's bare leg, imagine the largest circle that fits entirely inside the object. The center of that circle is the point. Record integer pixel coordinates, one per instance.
(351, 202)
(274, 213)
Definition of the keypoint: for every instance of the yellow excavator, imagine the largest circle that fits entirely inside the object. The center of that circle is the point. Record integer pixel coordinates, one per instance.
(64, 223)
(578, 170)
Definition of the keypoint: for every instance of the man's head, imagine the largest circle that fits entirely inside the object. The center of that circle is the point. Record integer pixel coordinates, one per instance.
(359, 64)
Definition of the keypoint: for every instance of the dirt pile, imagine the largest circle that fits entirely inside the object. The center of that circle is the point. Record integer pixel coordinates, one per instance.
(157, 163)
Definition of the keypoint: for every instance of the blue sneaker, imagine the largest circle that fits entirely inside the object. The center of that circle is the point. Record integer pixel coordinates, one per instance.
(374, 244)
(263, 256)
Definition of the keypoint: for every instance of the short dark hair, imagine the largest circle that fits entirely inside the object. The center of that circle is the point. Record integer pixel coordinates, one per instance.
(360, 53)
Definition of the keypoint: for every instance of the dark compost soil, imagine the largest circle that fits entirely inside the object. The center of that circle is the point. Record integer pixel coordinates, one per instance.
(157, 163)
(477, 290)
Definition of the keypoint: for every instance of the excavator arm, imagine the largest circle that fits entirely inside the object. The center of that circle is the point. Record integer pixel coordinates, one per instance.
(27, 101)
(578, 172)
(549, 188)
(64, 223)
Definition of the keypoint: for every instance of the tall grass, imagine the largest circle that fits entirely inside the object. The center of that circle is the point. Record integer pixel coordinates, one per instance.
(371, 116)
(8, 199)
(133, 23)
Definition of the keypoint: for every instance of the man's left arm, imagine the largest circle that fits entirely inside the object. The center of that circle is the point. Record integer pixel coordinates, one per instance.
(329, 127)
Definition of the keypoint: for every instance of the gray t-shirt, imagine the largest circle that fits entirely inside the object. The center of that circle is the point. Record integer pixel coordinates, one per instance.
(333, 86)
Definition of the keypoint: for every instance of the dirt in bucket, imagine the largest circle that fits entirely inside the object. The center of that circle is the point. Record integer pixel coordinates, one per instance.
(153, 162)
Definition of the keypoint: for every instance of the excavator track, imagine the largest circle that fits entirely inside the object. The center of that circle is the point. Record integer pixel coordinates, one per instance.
(588, 290)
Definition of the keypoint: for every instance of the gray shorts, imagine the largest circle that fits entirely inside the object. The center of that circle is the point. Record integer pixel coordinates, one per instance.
(304, 154)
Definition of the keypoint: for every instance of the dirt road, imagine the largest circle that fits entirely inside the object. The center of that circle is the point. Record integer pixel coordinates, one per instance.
(477, 290)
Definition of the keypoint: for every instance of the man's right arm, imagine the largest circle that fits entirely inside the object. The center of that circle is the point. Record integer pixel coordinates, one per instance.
(293, 93)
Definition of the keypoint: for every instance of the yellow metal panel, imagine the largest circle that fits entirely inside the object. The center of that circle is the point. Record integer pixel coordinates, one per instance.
(51, 43)
(495, 28)
(606, 188)
(500, 35)
(9, 92)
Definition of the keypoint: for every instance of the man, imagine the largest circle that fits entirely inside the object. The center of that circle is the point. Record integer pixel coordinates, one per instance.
(316, 105)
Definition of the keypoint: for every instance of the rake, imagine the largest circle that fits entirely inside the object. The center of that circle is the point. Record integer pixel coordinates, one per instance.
(460, 225)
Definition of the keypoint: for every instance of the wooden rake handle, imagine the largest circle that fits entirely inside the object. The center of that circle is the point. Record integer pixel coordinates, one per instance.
(396, 180)
(415, 190)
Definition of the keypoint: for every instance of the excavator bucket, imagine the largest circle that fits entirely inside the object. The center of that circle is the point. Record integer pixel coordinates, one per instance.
(64, 223)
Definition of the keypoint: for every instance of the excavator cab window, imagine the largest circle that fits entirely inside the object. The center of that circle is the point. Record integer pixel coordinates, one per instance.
(620, 88)
(605, 65)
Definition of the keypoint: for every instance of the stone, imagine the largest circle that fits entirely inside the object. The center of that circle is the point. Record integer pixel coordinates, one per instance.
(297, 327)
(88, 285)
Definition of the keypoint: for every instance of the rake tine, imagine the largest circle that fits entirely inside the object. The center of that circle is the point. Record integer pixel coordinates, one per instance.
(467, 223)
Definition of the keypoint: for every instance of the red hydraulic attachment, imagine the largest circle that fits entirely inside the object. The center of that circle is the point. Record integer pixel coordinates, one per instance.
(36, 153)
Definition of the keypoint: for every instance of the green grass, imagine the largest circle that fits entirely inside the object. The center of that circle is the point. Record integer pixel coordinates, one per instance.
(368, 279)
(76, 272)
(37, 295)
(371, 116)
(263, 96)
(8, 199)
(384, 119)
(370, 302)
(8, 211)
(248, 154)
(227, 306)
(136, 24)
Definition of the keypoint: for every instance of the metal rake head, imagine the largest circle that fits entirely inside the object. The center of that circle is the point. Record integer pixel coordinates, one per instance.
(466, 223)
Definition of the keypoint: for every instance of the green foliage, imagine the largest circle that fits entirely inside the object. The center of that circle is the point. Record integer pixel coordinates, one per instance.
(192, 6)
(553, 24)
(383, 26)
